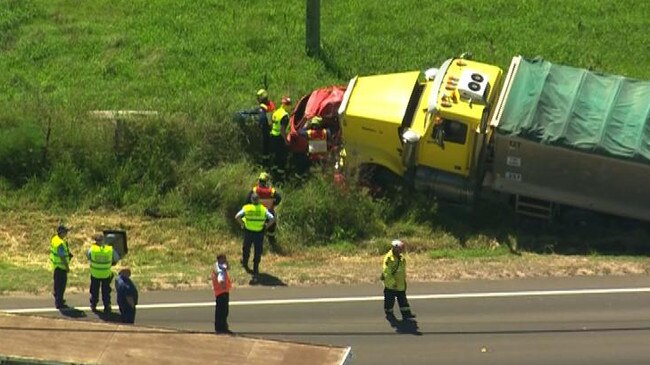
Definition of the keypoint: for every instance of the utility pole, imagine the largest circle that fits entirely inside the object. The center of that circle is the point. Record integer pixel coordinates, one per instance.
(312, 27)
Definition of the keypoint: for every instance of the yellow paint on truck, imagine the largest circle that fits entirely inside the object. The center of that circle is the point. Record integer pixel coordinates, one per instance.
(376, 111)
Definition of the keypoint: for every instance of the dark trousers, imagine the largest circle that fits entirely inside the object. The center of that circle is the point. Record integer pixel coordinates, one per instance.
(60, 277)
(255, 239)
(127, 313)
(279, 153)
(389, 301)
(105, 285)
(270, 231)
(221, 312)
(266, 142)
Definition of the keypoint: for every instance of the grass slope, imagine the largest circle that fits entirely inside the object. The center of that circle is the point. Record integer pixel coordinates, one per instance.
(197, 62)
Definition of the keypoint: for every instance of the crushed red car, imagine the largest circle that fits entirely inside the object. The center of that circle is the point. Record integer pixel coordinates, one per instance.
(323, 102)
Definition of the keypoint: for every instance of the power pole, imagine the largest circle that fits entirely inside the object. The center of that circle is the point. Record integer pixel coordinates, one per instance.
(312, 27)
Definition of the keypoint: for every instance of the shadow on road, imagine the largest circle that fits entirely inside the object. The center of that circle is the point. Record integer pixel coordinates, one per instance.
(72, 312)
(268, 280)
(405, 326)
(112, 317)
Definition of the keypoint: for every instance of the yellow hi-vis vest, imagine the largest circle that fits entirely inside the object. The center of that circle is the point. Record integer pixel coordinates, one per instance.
(394, 272)
(101, 260)
(254, 217)
(55, 260)
(276, 118)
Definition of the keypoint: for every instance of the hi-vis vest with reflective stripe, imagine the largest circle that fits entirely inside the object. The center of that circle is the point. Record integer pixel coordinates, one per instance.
(101, 259)
(394, 271)
(266, 194)
(276, 118)
(254, 217)
(55, 260)
(317, 141)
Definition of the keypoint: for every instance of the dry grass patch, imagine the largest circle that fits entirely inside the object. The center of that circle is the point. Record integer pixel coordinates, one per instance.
(167, 253)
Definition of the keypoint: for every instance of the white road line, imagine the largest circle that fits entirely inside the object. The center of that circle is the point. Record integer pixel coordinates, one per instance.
(532, 293)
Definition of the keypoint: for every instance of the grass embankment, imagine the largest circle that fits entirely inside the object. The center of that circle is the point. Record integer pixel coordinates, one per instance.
(195, 63)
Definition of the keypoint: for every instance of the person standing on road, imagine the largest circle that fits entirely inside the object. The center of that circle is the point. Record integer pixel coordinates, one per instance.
(221, 286)
(253, 218)
(127, 295)
(269, 198)
(394, 278)
(60, 257)
(101, 258)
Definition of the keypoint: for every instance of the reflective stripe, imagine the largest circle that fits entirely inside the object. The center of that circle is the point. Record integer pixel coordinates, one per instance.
(101, 260)
(317, 141)
(254, 217)
(266, 195)
(394, 271)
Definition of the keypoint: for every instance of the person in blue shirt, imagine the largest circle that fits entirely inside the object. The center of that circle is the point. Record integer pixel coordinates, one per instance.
(127, 295)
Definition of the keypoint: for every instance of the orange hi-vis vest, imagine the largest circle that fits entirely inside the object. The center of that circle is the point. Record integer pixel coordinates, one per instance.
(317, 144)
(216, 285)
(266, 194)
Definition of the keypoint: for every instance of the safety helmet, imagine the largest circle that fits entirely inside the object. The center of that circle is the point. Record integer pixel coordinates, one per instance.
(262, 95)
(286, 100)
(397, 243)
(264, 177)
(315, 121)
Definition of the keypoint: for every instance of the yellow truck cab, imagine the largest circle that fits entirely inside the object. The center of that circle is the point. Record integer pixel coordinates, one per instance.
(429, 127)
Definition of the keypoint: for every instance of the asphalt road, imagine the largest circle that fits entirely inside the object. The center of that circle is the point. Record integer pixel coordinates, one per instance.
(584, 320)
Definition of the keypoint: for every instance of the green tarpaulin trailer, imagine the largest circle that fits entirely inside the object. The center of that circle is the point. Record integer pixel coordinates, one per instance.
(570, 136)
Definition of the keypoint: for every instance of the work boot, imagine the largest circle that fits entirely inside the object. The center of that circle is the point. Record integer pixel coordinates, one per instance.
(107, 309)
(254, 280)
(224, 332)
(408, 315)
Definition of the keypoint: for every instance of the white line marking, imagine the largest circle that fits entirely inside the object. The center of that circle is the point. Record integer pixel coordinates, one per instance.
(532, 293)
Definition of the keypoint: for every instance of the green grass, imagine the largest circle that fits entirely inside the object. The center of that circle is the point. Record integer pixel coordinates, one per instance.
(198, 62)
(468, 253)
(22, 278)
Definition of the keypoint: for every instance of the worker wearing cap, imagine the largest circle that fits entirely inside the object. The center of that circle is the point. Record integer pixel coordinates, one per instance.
(394, 278)
(101, 257)
(265, 105)
(60, 257)
(317, 139)
(253, 218)
(269, 198)
(280, 121)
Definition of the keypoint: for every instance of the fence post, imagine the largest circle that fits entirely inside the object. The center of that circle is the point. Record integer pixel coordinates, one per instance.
(312, 27)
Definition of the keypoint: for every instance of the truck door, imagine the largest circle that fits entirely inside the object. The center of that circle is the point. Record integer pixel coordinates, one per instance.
(446, 147)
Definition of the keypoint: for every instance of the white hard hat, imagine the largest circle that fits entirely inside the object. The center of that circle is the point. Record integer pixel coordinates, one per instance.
(397, 243)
